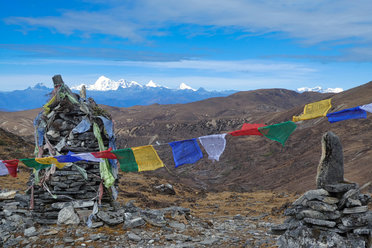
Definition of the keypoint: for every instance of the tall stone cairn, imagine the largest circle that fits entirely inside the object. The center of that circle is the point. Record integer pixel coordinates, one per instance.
(67, 187)
(334, 215)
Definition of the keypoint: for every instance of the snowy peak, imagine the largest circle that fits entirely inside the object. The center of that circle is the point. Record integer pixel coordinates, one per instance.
(184, 86)
(152, 84)
(104, 84)
(320, 89)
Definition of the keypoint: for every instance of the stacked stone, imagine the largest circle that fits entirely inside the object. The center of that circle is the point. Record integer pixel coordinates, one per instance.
(67, 186)
(334, 215)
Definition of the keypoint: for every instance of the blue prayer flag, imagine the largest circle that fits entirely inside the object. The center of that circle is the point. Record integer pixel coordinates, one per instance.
(346, 114)
(186, 152)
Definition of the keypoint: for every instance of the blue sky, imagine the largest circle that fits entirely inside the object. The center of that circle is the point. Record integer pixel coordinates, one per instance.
(215, 44)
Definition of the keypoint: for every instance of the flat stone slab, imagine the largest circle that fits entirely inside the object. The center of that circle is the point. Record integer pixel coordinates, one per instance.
(340, 187)
(320, 222)
(321, 206)
(355, 220)
(74, 204)
(352, 193)
(8, 195)
(110, 218)
(355, 210)
(80, 192)
(362, 231)
(66, 173)
(313, 214)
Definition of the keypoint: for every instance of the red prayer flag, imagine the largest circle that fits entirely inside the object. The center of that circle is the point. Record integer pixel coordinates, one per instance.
(248, 129)
(12, 166)
(105, 154)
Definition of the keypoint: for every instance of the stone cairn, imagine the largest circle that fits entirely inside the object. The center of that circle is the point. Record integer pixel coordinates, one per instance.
(57, 133)
(334, 215)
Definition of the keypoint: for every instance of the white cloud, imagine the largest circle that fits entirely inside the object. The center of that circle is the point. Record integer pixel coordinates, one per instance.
(311, 21)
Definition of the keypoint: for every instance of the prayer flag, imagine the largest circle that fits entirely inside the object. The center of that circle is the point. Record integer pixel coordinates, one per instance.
(87, 156)
(30, 162)
(248, 129)
(3, 170)
(50, 160)
(186, 152)
(314, 110)
(346, 114)
(278, 132)
(12, 166)
(68, 158)
(104, 154)
(214, 145)
(83, 126)
(367, 107)
(126, 159)
(147, 159)
(104, 166)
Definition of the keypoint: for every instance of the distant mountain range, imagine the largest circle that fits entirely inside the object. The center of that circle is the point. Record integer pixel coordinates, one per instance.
(122, 93)
(319, 89)
(105, 91)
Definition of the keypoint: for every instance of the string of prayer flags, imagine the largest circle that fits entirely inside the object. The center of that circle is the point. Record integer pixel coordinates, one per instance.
(30, 162)
(367, 107)
(186, 152)
(214, 145)
(278, 132)
(105, 154)
(314, 110)
(3, 170)
(50, 160)
(248, 129)
(346, 114)
(12, 166)
(126, 160)
(147, 158)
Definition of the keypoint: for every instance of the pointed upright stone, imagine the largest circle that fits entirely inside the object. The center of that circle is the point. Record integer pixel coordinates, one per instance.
(331, 165)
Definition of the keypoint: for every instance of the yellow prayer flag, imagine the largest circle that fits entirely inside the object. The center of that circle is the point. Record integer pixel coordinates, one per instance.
(46, 106)
(314, 110)
(147, 158)
(50, 160)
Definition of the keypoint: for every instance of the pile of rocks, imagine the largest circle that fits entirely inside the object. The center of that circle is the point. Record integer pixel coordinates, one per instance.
(334, 215)
(66, 125)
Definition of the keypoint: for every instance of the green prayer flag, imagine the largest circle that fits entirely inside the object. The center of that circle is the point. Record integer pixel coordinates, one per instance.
(278, 132)
(31, 162)
(104, 166)
(126, 159)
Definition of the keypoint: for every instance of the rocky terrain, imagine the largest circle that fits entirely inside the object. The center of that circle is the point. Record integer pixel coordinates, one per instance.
(184, 217)
(232, 203)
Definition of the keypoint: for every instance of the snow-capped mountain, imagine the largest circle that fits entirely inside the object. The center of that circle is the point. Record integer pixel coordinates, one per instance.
(184, 86)
(152, 84)
(105, 84)
(320, 89)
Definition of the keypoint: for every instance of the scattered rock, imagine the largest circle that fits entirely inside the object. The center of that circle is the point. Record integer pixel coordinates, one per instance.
(166, 189)
(134, 237)
(30, 232)
(67, 216)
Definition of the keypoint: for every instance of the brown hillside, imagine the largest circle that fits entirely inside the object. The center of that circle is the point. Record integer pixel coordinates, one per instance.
(248, 163)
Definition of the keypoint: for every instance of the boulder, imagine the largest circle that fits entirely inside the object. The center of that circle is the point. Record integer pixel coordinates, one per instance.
(67, 216)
